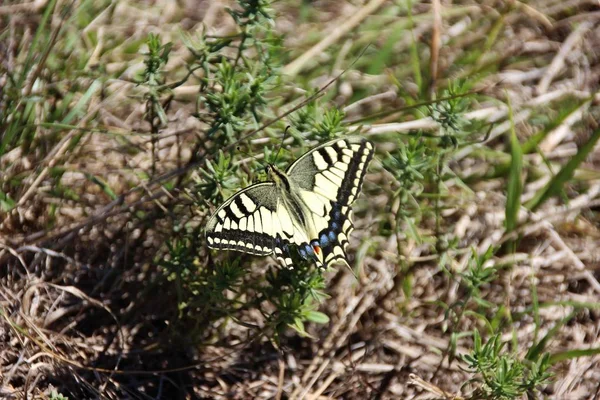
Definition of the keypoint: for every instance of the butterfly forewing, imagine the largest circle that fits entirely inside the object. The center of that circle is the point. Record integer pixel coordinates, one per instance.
(245, 221)
(256, 221)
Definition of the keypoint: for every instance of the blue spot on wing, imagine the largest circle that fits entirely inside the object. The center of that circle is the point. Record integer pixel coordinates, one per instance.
(336, 214)
(328, 238)
(324, 240)
(306, 251)
(302, 251)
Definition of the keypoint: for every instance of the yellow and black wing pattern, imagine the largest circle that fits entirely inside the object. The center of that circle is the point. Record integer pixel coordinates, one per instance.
(307, 207)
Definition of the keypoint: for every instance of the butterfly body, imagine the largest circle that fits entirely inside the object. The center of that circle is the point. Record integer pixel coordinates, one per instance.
(307, 206)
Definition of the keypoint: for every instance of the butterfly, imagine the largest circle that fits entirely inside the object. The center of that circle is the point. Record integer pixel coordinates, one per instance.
(306, 207)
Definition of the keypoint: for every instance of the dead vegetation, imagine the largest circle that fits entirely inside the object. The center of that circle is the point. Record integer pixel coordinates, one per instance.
(88, 313)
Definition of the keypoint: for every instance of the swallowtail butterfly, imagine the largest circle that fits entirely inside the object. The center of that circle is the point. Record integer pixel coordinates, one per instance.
(306, 207)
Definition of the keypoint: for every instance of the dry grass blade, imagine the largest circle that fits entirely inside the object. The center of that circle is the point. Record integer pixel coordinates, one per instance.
(338, 32)
(559, 61)
(418, 381)
(436, 33)
(31, 7)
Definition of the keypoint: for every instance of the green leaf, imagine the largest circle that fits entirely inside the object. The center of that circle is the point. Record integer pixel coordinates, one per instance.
(414, 52)
(54, 395)
(80, 107)
(6, 203)
(298, 326)
(575, 353)
(383, 57)
(566, 109)
(557, 183)
(103, 185)
(515, 183)
(317, 317)
(36, 45)
(536, 350)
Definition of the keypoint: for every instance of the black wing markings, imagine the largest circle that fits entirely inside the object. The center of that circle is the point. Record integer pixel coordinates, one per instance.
(332, 240)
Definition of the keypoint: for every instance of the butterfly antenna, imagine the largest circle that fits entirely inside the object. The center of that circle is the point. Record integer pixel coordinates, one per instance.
(247, 155)
(287, 128)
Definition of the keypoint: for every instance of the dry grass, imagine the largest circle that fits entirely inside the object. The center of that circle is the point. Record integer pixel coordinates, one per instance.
(86, 310)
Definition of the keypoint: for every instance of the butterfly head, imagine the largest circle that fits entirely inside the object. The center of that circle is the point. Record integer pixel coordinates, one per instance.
(269, 170)
(277, 176)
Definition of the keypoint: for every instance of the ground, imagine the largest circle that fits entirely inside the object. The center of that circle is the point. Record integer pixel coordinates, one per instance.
(479, 212)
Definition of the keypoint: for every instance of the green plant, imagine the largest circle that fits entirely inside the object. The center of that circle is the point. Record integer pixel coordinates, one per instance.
(218, 180)
(478, 274)
(295, 293)
(515, 181)
(57, 396)
(223, 288)
(504, 376)
(236, 74)
(153, 80)
(329, 126)
(17, 102)
(449, 113)
(236, 71)
(43, 91)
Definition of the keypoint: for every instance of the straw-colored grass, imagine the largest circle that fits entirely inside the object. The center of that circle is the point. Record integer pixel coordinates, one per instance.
(497, 232)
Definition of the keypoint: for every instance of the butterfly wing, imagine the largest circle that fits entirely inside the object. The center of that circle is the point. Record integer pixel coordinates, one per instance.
(259, 220)
(330, 178)
(255, 221)
(245, 221)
